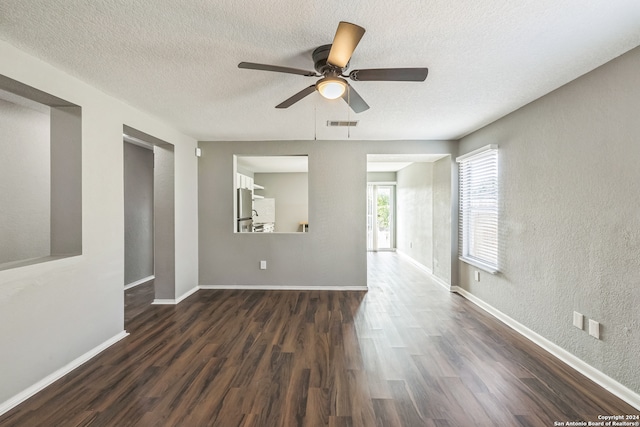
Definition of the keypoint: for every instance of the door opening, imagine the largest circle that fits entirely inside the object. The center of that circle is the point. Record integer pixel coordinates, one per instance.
(150, 261)
(381, 217)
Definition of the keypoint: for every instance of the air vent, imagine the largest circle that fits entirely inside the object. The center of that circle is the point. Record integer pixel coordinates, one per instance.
(342, 123)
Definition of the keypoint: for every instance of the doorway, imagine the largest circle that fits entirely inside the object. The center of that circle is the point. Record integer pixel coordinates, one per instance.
(138, 213)
(149, 221)
(381, 208)
(138, 227)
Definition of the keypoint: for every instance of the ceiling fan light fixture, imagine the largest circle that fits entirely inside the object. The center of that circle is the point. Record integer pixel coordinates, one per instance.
(331, 87)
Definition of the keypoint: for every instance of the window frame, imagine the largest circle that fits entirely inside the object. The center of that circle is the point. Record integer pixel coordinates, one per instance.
(65, 183)
(484, 252)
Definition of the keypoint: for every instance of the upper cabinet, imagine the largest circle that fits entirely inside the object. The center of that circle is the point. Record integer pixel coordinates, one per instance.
(245, 181)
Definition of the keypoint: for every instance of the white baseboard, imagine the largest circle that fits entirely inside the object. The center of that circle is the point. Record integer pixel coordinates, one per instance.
(187, 294)
(285, 288)
(440, 282)
(426, 269)
(174, 301)
(139, 282)
(164, 301)
(51, 378)
(608, 383)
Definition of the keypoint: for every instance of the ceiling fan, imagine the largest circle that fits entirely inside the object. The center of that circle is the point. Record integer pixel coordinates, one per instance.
(331, 61)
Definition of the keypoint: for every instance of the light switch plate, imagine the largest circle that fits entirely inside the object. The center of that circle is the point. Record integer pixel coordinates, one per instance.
(263, 265)
(578, 320)
(594, 328)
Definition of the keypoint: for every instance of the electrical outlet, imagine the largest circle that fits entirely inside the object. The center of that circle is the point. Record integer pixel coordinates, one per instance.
(476, 275)
(263, 265)
(594, 329)
(578, 320)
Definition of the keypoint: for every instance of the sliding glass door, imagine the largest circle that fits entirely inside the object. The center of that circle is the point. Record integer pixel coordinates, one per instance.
(380, 217)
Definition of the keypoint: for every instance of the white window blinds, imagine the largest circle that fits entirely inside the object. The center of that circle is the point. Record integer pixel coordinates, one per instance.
(478, 178)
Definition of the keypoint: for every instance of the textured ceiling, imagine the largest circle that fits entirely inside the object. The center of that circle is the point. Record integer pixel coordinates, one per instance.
(178, 59)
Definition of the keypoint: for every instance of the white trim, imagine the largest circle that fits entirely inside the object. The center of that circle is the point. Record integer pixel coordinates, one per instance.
(139, 282)
(478, 151)
(175, 301)
(426, 269)
(603, 380)
(187, 294)
(164, 301)
(56, 375)
(284, 288)
(135, 141)
(414, 261)
(479, 264)
(440, 282)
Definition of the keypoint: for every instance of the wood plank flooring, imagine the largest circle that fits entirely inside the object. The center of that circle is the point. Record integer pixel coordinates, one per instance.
(137, 300)
(406, 353)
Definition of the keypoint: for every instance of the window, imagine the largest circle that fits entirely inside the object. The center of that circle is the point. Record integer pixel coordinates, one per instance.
(271, 193)
(478, 176)
(40, 176)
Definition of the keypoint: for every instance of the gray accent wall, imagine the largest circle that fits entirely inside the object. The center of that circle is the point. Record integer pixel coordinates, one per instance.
(138, 213)
(414, 212)
(25, 183)
(66, 181)
(381, 177)
(291, 194)
(165, 213)
(333, 253)
(444, 198)
(426, 200)
(569, 222)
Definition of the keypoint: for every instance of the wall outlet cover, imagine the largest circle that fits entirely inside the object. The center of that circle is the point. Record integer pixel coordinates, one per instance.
(594, 328)
(263, 265)
(578, 320)
(476, 275)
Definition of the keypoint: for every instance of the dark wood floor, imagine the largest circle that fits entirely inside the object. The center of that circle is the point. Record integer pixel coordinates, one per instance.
(407, 353)
(137, 300)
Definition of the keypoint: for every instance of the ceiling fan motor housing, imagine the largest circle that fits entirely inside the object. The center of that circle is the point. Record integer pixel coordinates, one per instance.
(320, 64)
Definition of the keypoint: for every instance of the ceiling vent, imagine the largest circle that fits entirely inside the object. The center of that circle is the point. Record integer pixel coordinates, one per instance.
(342, 123)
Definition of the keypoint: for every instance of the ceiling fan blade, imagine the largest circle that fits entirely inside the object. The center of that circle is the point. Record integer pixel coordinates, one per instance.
(390, 74)
(297, 97)
(347, 37)
(277, 69)
(354, 100)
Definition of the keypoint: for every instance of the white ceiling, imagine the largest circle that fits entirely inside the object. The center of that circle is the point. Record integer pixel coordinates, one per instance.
(178, 59)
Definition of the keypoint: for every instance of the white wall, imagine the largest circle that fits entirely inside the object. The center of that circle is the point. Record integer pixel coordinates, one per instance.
(426, 214)
(444, 205)
(415, 212)
(333, 253)
(53, 312)
(570, 218)
(25, 182)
